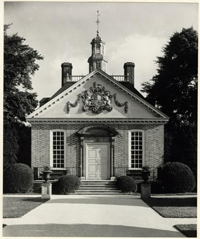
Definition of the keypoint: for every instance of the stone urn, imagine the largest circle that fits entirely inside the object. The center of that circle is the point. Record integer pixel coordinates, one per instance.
(46, 173)
(145, 173)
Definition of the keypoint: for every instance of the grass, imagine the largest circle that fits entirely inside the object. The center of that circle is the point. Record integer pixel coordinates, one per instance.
(174, 207)
(14, 207)
(189, 230)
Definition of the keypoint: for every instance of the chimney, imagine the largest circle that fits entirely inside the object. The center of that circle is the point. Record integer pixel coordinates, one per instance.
(66, 72)
(129, 72)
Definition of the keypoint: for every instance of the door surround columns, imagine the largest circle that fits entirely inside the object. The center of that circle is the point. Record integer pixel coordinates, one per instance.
(92, 134)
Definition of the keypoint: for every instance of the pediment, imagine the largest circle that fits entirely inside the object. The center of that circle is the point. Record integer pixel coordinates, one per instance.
(97, 130)
(97, 95)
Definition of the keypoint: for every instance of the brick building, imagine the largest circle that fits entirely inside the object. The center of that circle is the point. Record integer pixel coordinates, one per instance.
(97, 126)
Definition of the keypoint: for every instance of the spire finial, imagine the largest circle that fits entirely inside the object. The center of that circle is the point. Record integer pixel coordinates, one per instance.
(97, 21)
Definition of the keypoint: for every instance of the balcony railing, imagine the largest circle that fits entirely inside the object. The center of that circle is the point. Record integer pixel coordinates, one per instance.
(116, 77)
(76, 77)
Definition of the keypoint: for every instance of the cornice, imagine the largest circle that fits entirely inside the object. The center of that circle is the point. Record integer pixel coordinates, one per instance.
(96, 120)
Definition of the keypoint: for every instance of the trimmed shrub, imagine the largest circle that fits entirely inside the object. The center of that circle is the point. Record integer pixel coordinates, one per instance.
(177, 178)
(126, 184)
(18, 178)
(67, 184)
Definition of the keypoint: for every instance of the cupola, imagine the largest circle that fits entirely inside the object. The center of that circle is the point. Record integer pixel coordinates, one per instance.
(97, 60)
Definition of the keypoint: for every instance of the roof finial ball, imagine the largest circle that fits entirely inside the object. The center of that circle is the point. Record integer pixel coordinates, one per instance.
(97, 21)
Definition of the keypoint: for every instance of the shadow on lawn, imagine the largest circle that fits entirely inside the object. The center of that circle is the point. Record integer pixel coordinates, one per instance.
(189, 230)
(39, 199)
(84, 230)
(171, 202)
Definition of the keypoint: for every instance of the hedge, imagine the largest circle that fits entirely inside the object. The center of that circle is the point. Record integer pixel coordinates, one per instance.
(18, 178)
(177, 178)
(126, 184)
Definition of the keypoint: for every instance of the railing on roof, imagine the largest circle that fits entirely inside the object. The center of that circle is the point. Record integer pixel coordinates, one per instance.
(77, 77)
(116, 77)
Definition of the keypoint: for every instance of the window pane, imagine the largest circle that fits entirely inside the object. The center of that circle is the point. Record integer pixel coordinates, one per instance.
(136, 149)
(58, 149)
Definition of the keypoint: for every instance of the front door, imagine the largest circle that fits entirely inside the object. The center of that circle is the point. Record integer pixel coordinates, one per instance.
(97, 161)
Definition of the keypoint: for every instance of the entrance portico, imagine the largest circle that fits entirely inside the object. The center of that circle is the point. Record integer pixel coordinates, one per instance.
(97, 152)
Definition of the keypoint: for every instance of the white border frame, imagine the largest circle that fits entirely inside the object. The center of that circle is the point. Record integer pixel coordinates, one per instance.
(51, 148)
(129, 148)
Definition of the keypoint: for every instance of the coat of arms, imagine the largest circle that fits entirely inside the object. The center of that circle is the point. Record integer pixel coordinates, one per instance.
(97, 99)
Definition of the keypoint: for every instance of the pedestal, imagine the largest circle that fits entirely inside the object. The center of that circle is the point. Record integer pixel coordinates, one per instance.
(46, 189)
(145, 190)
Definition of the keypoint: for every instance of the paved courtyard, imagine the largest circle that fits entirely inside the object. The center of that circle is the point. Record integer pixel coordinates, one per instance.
(93, 216)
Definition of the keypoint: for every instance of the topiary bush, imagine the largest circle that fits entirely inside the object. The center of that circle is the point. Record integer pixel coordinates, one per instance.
(177, 178)
(67, 184)
(126, 184)
(18, 178)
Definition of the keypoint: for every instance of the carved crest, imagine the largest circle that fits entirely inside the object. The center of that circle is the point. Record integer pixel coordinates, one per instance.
(97, 99)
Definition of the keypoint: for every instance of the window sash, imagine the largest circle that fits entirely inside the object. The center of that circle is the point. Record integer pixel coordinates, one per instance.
(58, 149)
(136, 149)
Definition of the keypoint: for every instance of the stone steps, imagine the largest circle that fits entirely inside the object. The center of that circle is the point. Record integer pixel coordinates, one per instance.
(102, 187)
(97, 187)
(97, 182)
(97, 192)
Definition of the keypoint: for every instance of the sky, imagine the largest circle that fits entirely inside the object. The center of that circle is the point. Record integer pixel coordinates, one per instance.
(62, 32)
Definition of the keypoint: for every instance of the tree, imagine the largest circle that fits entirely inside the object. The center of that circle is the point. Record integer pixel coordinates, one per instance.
(174, 88)
(19, 65)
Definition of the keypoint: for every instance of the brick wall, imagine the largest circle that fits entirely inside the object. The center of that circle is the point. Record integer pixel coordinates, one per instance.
(154, 144)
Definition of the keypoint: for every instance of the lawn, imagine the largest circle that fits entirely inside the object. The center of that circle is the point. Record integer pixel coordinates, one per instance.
(189, 230)
(14, 207)
(180, 207)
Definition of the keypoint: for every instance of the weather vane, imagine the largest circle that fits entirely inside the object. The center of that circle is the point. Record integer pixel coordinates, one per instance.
(97, 21)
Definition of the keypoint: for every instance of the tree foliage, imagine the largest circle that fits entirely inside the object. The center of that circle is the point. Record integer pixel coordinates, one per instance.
(174, 87)
(19, 66)
(174, 90)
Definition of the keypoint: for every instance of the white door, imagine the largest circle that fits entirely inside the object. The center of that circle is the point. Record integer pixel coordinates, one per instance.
(98, 161)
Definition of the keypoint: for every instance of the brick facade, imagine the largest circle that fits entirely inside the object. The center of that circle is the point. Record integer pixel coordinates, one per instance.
(153, 143)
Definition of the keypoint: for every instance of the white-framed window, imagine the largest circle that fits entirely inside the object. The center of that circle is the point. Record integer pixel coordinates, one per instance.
(136, 149)
(58, 148)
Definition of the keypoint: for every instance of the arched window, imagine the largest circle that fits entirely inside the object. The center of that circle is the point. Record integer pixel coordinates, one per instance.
(98, 47)
(58, 151)
(136, 149)
(98, 64)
